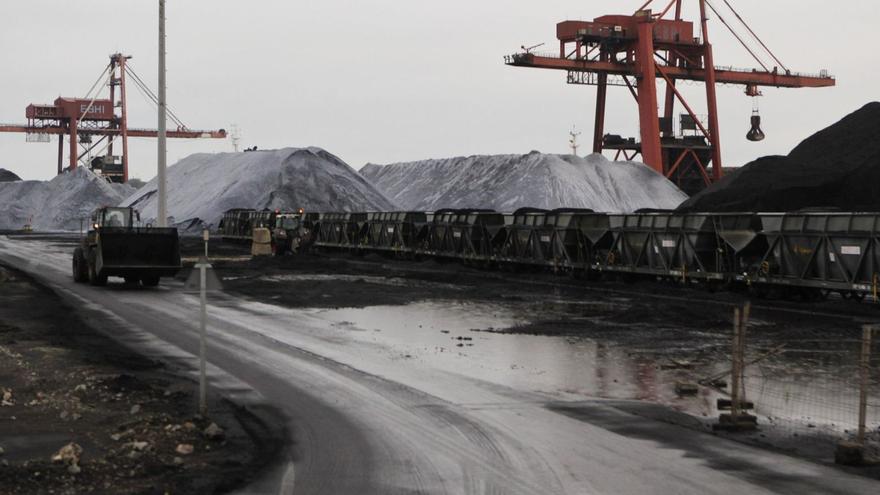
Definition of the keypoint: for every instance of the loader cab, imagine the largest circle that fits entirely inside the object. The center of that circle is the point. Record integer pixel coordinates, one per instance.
(114, 217)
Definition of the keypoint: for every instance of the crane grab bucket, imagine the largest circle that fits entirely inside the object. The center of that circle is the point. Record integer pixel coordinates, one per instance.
(755, 134)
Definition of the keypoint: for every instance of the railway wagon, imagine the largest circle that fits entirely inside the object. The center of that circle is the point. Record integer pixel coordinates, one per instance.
(238, 224)
(396, 231)
(814, 253)
(340, 229)
(526, 240)
(464, 234)
(667, 245)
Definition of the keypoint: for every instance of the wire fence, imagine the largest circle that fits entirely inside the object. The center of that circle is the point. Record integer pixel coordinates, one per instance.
(813, 391)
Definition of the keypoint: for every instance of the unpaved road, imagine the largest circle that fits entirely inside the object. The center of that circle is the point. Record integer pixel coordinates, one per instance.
(363, 419)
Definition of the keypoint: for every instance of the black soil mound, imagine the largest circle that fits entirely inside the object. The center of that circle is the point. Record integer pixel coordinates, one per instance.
(836, 168)
(7, 176)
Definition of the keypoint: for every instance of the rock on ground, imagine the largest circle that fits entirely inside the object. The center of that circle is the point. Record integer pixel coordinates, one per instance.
(508, 182)
(203, 186)
(836, 168)
(59, 204)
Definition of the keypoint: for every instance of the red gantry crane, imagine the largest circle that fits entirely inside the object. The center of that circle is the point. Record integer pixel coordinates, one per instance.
(92, 122)
(636, 51)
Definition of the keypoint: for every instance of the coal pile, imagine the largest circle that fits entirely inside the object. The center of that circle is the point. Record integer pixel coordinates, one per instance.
(204, 185)
(509, 182)
(61, 204)
(838, 168)
(7, 176)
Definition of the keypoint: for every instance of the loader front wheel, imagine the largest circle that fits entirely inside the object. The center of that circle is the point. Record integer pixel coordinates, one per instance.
(80, 268)
(93, 276)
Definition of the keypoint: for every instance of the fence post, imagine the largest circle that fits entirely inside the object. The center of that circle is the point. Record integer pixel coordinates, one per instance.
(853, 453)
(864, 366)
(735, 374)
(737, 419)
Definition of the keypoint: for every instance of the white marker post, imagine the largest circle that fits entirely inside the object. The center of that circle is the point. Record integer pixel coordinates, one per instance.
(203, 266)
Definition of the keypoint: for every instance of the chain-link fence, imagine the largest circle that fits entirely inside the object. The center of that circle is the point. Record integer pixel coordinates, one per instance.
(805, 390)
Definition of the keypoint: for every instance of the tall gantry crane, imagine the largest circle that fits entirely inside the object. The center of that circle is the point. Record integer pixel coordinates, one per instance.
(637, 51)
(93, 124)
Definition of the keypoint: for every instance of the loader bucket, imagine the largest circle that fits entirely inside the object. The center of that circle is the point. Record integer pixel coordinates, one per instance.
(138, 252)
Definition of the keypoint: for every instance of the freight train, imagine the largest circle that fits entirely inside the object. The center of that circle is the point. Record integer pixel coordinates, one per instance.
(804, 254)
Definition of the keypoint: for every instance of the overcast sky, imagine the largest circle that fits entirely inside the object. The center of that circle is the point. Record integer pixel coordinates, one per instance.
(396, 80)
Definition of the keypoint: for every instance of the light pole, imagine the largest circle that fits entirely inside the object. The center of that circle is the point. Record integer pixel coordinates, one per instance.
(163, 136)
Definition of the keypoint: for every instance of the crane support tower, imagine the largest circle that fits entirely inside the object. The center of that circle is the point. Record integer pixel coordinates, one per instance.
(636, 51)
(93, 124)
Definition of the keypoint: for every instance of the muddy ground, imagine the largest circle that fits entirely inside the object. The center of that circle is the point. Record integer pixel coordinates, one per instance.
(132, 421)
(671, 333)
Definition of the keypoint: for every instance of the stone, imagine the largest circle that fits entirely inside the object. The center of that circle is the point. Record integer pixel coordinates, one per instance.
(135, 409)
(214, 433)
(80, 388)
(74, 469)
(2, 451)
(184, 449)
(849, 454)
(189, 426)
(178, 461)
(69, 454)
(140, 446)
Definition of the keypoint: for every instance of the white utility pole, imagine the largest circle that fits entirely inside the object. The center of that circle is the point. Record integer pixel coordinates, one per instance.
(163, 136)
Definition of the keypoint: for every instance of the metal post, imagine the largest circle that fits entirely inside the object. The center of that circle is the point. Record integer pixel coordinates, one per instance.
(711, 98)
(163, 155)
(203, 324)
(735, 373)
(743, 328)
(865, 378)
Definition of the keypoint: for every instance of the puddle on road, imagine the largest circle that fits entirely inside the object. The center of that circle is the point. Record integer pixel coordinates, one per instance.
(632, 361)
(462, 338)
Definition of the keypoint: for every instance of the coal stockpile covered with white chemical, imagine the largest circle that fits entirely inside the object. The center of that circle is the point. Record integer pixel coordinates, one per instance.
(836, 168)
(508, 182)
(62, 203)
(203, 186)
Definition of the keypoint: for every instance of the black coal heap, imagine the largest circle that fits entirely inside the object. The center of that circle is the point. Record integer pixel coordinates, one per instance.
(836, 168)
(7, 176)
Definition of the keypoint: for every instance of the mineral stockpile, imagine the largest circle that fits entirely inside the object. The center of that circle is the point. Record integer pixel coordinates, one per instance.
(508, 182)
(8, 176)
(202, 186)
(836, 168)
(63, 203)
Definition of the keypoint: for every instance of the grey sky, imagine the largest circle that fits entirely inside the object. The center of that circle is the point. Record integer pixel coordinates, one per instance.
(393, 80)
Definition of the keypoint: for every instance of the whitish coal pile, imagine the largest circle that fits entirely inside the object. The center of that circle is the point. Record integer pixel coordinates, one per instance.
(59, 204)
(508, 182)
(836, 168)
(202, 186)
(7, 176)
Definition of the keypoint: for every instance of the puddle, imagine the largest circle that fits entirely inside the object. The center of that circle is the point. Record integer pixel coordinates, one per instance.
(635, 361)
(462, 338)
(387, 281)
